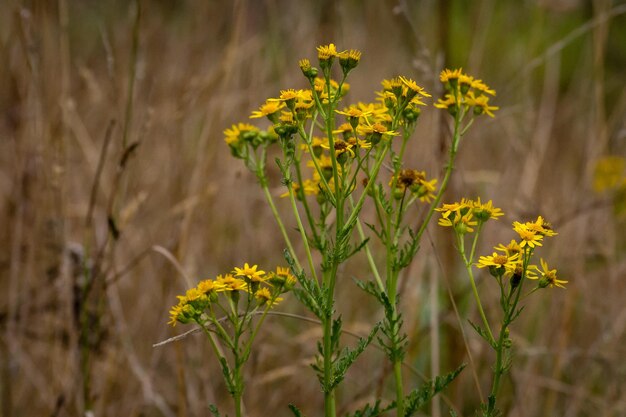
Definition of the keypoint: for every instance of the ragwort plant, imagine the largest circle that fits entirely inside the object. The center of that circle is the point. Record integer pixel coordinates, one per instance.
(327, 203)
(224, 308)
(510, 265)
(332, 156)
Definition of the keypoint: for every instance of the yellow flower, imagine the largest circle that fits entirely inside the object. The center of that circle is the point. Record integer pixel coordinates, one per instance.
(498, 261)
(548, 277)
(448, 75)
(416, 182)
(511, 249)
(446, 103)
(481, 86)
(460, 208)
(208, 286)
(341, 147)
(486, 211)
(529, 237)
(326, 52)
(542, 227)
(375, 132)
(284, 274)
(269, 108)
(236, 132)
(175, 312)
(353, 112)
(250, 273)
(412, 89)
(461, 223)
(305, 64)
(182, 312)
(481, 104)
(230, 283)
(264, 296)
(349, 59)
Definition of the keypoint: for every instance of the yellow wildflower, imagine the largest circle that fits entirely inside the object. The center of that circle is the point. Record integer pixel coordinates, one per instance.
(529, 237)
(548, 276)
(486, 211)
(326, 52)
(249, 273)
(268, 109)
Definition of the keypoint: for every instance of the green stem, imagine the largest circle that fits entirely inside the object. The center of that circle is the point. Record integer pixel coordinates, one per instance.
(506, 321)
(456, 138)
(281, 226)
(237, 398)
(372, 178)
(370, 258)
(305, 239)
(470, 273)
(329, 393)
(397, 371)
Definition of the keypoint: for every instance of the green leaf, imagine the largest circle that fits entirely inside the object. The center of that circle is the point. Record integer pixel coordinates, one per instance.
(335, 334)
(348, 356)
(214, 411)
(482, 333)
(312, 296)
(358, 248)
(371, 411)
(295, 410)
(228, 377)
(382, 200)
(376, 232)
(419, 397)
(371, 288)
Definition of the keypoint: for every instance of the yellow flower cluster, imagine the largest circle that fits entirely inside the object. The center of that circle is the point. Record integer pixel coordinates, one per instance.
(415, 181)
(463, 216)
(509, 260)
(261, 287)
(464, 92)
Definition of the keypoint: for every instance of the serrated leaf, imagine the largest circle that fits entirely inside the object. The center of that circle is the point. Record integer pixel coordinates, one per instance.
(347, 357)
(228, 377)
(358, 248)
(295, 410)
(482, 333)
(379, 234)
(370, 411)
(335, 334)
(422, 395)
(214, 411)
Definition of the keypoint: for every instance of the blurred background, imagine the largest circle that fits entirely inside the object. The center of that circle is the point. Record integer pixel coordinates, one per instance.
(118, 193)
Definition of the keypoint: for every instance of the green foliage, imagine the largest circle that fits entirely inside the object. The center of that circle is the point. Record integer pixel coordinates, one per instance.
(371, 411)
(296, 411)
(421, 396)
(482, 333)
(228, 376)
(214, 411)
(347, 357)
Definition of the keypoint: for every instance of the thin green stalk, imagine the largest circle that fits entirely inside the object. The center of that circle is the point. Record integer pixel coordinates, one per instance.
(470, 273)
(475, 241)
(392, 283)
(397, 371)
(506, 321)
(357, 209)
(305, 204)
(370, 258)
(329, 393)
(456, 138)
(281, 226)
(305, 239)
